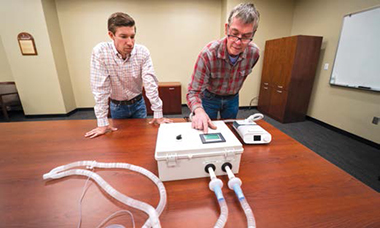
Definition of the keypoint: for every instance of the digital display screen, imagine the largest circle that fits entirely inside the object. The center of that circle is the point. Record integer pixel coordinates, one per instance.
(257, 138)
(212, 138)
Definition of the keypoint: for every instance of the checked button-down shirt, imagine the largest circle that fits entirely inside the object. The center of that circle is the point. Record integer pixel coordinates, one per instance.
(213, 71)
(119, 79)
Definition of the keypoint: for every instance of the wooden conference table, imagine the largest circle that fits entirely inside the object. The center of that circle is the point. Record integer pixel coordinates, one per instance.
(286, 184)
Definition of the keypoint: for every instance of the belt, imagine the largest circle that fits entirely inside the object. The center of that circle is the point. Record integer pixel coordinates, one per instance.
(220, 96)
(127, 102)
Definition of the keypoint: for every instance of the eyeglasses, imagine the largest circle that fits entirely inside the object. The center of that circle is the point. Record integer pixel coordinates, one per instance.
(244, 40)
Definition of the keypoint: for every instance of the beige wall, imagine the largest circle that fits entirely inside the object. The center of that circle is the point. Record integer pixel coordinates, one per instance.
(5, 68)
(35, 76)
(174, 32)
(348, 109)
(224, 17)
(54, 31)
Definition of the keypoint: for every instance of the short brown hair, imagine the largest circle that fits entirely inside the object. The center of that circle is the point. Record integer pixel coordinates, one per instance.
(118, 20)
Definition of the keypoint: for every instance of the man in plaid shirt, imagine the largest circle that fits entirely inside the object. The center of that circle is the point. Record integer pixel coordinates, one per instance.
(221, 69)
(119, 69)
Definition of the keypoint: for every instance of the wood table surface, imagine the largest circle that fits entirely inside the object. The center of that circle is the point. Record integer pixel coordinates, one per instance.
(286, 184)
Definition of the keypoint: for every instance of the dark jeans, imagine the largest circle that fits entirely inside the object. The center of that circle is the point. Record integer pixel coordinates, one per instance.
(228, 106)
(136, 110)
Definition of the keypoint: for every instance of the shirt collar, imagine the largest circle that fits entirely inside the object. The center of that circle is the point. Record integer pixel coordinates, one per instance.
(223, 54)
(119, 55)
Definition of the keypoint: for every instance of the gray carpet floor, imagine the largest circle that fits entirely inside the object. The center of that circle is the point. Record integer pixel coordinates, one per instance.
(359, 159)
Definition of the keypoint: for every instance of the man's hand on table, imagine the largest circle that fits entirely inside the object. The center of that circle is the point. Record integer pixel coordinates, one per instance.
(99, 131)
(160, 121)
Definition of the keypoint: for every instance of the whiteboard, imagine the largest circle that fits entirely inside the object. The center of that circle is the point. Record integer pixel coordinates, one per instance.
(357, 59)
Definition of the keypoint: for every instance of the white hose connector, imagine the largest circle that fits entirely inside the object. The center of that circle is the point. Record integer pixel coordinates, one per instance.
(250, 119)
(254, 117)
(153, 214)
(234, 183)
(216, 185)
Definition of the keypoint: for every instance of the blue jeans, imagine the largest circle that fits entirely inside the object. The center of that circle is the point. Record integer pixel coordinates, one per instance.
(136, 110)
(228, 106)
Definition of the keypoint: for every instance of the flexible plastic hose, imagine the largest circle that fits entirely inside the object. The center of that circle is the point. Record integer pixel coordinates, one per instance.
(248, 213)
(216, 185)
(153, 214)
(234, 184)
(250, 119)
(223, 214)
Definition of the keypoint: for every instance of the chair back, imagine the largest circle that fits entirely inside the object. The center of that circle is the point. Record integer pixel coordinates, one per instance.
(10, 89)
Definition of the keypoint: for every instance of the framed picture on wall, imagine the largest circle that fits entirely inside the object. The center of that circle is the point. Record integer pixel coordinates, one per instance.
(26, 43)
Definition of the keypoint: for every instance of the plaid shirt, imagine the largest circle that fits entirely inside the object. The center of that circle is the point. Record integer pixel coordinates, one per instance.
(213, 71)
(111, 76)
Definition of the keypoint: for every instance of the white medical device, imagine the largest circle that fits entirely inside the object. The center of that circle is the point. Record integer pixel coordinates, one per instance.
(183, 152)
(250, 132)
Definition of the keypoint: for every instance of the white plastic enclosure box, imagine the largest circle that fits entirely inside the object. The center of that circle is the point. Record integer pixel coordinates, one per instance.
(183, 152)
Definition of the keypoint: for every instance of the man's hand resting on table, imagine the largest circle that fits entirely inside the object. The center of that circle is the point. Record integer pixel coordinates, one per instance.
(103, 130)
(160, 121)
(99, 131)
(201, 121)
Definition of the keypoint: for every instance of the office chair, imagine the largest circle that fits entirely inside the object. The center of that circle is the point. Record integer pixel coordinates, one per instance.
(9, 98)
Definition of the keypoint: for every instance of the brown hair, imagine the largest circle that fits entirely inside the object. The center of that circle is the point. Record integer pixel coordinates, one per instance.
(118, 20)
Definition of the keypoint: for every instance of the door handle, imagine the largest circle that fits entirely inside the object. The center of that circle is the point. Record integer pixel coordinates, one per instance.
(171, 88)
(280, 87)
(279, 91)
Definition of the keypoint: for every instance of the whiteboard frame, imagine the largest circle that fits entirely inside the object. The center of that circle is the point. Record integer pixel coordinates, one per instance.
(336, 53)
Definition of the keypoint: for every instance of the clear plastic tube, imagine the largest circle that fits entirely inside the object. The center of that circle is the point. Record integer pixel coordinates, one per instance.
(153, 220)
(248, 213)
(114, 215)
(216, 185)
(235, 183)
(223, 214)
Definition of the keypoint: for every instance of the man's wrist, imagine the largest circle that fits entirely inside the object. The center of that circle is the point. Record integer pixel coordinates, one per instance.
(192, 114)
(198, 110)
(158, 115)
(102, 122)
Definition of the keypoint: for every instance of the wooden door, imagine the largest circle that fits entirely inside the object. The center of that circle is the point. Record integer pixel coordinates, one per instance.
(271, 69)
(171, 98)
(264, 99)
(170, 94)
(277, 63)
(269, 55)
(285, 58)
(277, 104)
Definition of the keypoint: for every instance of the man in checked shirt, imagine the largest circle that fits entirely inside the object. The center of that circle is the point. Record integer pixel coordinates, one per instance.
(221, 69)
(118, 71)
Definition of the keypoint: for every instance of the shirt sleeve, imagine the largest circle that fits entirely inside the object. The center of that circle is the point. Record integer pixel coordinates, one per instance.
(198, 83)
(256, 56)
(151, 85)
(101, 89)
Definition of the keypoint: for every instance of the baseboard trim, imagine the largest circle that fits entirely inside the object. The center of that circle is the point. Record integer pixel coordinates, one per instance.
(248, 107)
(343, 132)
(57, 115)
(240, 107)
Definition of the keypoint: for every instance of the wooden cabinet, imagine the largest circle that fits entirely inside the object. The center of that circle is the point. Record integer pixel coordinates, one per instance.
(287, 77)
(170, 94)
